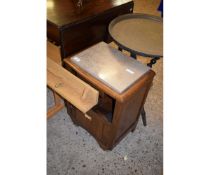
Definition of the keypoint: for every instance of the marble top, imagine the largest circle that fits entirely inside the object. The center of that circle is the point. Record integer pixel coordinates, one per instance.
(110, 66)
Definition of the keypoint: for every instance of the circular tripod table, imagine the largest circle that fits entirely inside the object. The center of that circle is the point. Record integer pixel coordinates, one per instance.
(139, 34)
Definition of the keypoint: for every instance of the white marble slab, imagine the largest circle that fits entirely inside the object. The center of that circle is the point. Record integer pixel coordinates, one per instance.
(110, 66)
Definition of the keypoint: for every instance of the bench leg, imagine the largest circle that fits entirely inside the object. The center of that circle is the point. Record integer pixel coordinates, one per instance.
(57, 107)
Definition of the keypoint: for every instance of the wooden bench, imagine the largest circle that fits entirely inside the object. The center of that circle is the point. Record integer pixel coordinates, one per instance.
(62, 82)
(53, 52)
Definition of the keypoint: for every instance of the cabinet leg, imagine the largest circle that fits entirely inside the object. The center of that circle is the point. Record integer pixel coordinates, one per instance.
(134, 128)
(143, 116)
(105, 147)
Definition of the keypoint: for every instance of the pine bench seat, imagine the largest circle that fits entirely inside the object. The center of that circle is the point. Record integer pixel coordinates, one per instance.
(71, 88)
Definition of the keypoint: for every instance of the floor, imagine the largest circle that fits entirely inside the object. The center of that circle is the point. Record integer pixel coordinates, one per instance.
(71, 150)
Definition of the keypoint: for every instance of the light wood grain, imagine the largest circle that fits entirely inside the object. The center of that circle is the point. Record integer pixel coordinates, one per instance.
(74, 90)
(53, 52)
(57, 107)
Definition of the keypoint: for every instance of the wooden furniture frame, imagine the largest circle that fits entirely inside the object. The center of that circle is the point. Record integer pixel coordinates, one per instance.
(115, 115)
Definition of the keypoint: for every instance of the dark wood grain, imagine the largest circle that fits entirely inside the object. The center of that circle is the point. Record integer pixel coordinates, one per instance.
(75, 29)
(64, 13)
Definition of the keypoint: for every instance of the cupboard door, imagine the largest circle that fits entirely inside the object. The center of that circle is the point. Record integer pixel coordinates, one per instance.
(91, 122)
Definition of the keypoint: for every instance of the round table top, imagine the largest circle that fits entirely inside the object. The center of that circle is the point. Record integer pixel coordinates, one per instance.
(138, 33)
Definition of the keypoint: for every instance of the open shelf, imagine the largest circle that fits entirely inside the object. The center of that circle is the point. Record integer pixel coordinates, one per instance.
(105, 107)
